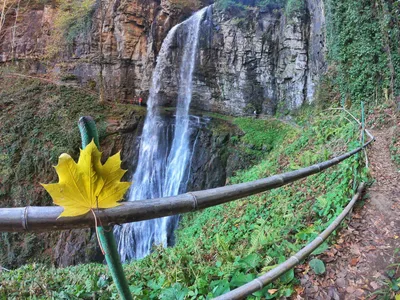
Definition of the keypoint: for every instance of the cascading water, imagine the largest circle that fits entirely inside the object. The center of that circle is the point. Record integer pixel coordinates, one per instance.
(162, 168)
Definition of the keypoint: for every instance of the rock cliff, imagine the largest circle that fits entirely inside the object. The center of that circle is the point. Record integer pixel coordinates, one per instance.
(120, 41)
(260, 60)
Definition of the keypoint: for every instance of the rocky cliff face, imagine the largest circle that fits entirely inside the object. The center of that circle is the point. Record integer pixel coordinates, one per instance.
(262, 60)
(121, 42)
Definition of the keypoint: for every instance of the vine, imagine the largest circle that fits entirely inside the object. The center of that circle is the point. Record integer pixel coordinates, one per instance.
(362, 40)
(73, 18)
(291, 7)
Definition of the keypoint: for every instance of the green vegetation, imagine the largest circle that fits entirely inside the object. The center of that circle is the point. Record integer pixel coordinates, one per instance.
(74, 17)
(183, 4)
(395, 146)
(262, 134)
(39, 122)
(225, 5)
(291, 7)
(294, 7)
(223, 247)
(318, 266)
(256, 137)
(362, 39)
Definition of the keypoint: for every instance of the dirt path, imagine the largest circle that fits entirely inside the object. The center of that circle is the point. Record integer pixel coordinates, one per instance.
(357, 266)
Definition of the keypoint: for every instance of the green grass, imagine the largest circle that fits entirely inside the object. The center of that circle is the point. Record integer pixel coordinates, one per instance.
(223, 247)
(262, 134)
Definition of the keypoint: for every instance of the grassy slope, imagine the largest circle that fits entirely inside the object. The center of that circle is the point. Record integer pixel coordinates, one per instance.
(38, 123)
(223, 247)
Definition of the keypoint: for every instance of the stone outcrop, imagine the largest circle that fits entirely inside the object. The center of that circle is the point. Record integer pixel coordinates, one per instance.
(262, 61)
(121, 42)
(25, 36)
(211, 150)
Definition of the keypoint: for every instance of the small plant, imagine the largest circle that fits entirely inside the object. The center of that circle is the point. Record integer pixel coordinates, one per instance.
(294, 7)
(239, 6)
(395, 147)
(391, 285)
(69, 77)
(317, 266)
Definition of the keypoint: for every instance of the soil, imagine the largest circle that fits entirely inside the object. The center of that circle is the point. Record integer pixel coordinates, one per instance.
(358, 266)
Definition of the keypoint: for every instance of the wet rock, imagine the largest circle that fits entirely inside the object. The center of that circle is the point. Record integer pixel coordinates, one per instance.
(262, 63)
(77, 246)
(210, 157)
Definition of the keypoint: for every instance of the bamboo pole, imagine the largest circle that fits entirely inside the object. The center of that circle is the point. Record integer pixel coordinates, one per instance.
(4, 269)
(258, 283)
(88, 130)
(363, 134)
(355, 119)
(44, 218)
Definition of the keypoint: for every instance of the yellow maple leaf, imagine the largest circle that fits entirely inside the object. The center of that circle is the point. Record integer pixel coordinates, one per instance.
(88, 184)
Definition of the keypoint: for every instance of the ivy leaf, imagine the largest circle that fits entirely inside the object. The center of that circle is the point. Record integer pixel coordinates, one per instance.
(287, 277)
(318, 266)
(250, 262)
(87, 184)
(321, 249)
(176, 292)
(219, 287)
(240, 278)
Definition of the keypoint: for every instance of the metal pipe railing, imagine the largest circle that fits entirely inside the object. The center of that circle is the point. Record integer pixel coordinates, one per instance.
(45, 218)
(260, 282)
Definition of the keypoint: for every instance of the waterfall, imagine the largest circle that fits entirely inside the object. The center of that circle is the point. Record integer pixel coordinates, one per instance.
(163, 166)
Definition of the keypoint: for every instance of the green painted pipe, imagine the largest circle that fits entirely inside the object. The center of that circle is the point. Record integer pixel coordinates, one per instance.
(88, 130)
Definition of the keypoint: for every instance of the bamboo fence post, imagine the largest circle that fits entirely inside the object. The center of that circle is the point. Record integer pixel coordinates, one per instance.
(88, 131)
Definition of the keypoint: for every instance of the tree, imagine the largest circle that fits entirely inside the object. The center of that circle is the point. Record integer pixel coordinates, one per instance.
(6, 7)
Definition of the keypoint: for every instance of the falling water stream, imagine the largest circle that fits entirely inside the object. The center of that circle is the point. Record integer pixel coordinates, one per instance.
(165, 151)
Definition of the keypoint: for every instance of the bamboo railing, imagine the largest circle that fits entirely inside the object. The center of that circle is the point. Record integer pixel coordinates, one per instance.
(265, 279)
(45, 218)
(260, 282)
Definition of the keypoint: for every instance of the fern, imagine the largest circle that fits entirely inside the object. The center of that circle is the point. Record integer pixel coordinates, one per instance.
(258, 238)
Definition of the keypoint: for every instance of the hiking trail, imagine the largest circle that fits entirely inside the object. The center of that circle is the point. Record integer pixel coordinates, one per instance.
(357, 265)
